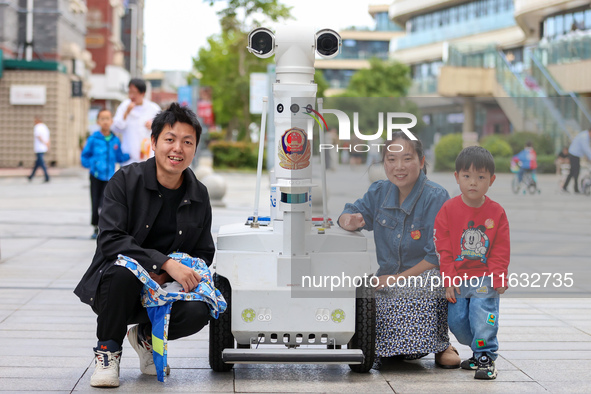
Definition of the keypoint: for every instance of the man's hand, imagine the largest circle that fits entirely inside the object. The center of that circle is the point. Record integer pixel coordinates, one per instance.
(351, 221)
(188, 278)
(450, 293)
(128, 110)
(148, 125)
(160, 279)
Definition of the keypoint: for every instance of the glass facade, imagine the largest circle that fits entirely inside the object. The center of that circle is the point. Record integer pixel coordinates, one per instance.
(562, 24)
(358, 49)
(424, 77)
(338, 79)
(384, 23)
(457, 14)
(460, 20)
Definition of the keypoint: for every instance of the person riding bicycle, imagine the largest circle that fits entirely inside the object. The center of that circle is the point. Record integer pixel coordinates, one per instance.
(527, 161)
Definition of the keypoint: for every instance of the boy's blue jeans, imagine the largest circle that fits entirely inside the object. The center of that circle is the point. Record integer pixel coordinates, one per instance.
(474, 318)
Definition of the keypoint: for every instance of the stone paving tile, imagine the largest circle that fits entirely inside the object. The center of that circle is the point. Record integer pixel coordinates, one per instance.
(548, 345)
(32, 372)
(566, 387)
(37, 385)
(179, 381)
(45, 335)
(513, 355)
(307, 379)
(489, 387)
(45, 362)
(198, 362)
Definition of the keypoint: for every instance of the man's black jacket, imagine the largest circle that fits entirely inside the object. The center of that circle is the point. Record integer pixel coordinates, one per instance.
(130, 205)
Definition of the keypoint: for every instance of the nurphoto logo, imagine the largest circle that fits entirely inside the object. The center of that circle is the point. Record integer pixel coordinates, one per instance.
(344, 130)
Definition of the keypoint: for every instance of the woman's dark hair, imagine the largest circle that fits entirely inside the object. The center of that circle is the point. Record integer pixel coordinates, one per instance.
(139, 83)
(475, 156)
(173, 114)
(417, 145)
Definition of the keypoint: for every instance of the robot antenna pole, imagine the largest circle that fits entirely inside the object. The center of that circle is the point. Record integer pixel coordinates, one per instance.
(325, 223)
(255, 217)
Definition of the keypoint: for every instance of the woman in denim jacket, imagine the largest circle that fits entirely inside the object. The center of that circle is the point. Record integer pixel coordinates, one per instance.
(411, 318)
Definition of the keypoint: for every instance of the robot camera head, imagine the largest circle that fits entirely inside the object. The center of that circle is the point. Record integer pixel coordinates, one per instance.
(261, 42)
(328, 43)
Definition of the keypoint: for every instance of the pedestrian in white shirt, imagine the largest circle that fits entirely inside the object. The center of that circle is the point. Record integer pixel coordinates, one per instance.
(580, 147)
(133, 122)
(41, 146)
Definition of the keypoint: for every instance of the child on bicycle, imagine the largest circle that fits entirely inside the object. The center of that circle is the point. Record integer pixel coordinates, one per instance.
(527, 160)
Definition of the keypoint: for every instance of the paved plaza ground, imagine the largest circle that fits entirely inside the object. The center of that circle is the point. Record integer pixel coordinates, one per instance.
(47, 334)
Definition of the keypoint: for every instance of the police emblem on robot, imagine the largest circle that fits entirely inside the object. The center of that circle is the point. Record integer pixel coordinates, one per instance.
(294, 149)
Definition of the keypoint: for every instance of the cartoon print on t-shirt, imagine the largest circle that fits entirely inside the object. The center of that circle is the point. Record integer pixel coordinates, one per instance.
(474, 243)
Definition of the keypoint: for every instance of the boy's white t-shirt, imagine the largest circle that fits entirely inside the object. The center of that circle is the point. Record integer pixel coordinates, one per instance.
(40, 130)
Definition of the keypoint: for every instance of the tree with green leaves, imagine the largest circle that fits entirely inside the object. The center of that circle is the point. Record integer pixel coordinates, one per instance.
(382, 79)
(382, 88)
(226, 65)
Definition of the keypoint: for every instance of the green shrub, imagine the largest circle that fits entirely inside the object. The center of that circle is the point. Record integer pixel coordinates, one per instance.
(229, 154)
(497, 146)
(446, 151)
(546, 164)
(502, 164)
(542, 144)
(216, 136)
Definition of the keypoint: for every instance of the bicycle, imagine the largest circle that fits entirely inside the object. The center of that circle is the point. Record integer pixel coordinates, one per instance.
(528, 183)
(585, 180)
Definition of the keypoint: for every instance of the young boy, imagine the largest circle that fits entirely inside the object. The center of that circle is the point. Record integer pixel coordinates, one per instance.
(471, 235)
(101, 152)
(527, 161)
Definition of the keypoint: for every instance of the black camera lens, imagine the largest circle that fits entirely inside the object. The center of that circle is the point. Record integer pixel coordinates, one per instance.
(327, 44)
(262, 42)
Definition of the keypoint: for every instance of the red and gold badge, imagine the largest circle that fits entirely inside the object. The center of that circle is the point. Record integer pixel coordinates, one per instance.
(294, 150)
(416, 234)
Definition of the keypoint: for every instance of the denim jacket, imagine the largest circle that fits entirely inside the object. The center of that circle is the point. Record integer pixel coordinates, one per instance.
(403, 234)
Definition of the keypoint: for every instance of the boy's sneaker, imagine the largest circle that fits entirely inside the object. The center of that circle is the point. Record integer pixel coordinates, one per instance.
(486, 369)
(470, 364)
(106, 368)
(144, 350)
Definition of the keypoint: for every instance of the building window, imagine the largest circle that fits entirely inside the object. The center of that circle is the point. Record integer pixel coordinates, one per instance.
(457, 14)
(559, 25)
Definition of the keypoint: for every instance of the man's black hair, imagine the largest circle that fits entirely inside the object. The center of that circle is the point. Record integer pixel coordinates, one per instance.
(173, 114)
(475, 156)
(139, 83)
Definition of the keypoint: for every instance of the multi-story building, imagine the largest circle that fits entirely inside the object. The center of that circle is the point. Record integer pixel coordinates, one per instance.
(359, 45)
(115, 39)
(164, 86)
(132, 36)
(43, 72)
(109, 77)
(492, 66)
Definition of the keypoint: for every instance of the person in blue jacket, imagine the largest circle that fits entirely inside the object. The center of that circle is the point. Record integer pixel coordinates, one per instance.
(101, 152)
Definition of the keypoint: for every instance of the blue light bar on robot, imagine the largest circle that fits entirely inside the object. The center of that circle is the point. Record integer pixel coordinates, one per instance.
(300, 198)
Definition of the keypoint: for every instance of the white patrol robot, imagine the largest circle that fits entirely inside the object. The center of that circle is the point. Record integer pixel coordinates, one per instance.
(281, 309)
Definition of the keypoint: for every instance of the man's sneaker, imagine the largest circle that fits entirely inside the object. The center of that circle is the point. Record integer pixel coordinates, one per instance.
(144, 350)
(486, 369)
(470, 364)
(106, 369)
